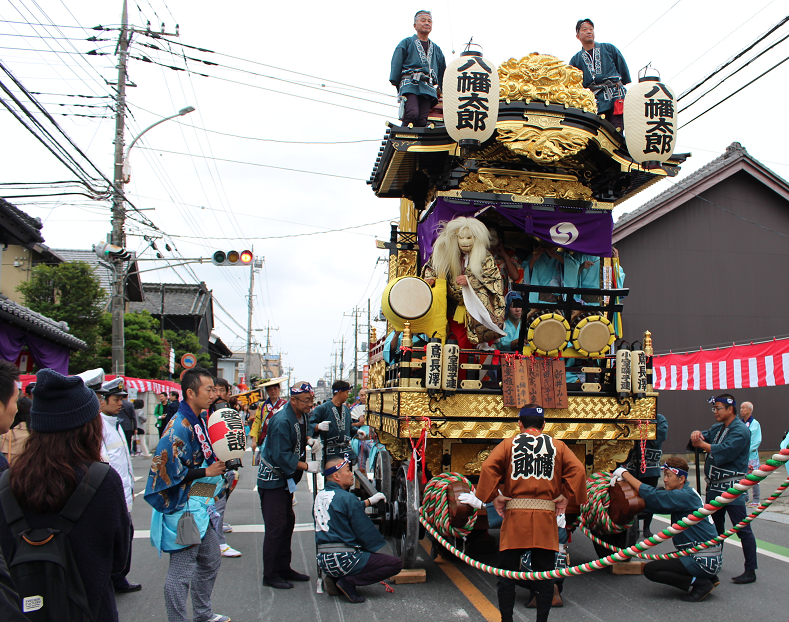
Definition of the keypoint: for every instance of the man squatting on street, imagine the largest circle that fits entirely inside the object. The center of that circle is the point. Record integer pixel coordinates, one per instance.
(529, 478)
(346, 538)
(696, 574)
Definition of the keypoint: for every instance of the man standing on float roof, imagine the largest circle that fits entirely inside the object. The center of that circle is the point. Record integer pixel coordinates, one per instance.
(728, 444)
(417, 71)
(605, 71)
(529, 478)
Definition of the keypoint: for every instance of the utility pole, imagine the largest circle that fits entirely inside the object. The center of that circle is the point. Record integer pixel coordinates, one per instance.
(356, 312)
(257, 263)
(118, 238)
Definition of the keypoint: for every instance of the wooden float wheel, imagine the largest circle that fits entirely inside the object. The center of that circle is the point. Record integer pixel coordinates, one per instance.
(406, 518)
(382, 478)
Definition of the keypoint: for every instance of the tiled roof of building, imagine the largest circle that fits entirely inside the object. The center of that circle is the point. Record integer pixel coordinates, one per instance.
(24, 318)
(104, 273)
(179, 299)
(733, 152)
(25, 227)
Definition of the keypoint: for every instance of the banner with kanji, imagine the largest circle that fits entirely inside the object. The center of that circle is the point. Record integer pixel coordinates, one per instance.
(734, 367)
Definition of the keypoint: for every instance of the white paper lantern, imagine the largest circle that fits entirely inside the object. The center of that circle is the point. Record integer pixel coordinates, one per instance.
(471, 98)
(638, 364)
(623, 373)
(650, 117)
(226, 431)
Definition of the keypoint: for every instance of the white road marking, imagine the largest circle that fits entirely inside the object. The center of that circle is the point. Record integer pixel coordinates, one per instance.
(778, 556)
(145, 533)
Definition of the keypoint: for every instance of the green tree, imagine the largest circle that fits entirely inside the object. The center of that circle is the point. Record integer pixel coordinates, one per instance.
(70, 292)
(144, 349)
(183, 342)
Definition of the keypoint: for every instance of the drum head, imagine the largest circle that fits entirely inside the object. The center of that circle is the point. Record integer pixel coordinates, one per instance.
(410, 298)
(549, 333)
(593, 335)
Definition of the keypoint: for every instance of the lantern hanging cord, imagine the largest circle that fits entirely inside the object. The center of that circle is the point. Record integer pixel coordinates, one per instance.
(636, 550)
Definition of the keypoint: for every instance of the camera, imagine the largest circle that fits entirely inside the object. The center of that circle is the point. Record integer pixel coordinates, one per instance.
(234, 464)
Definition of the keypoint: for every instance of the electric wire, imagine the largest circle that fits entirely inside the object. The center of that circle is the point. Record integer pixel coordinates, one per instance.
(652, 24)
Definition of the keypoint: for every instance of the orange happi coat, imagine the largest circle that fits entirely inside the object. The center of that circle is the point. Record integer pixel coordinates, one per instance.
(531, 467)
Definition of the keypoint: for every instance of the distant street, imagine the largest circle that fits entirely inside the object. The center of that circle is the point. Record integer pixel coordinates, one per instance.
(453, 590)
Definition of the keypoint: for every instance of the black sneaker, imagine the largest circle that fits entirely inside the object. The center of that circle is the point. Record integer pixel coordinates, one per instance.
(701, 589)
(749, 576)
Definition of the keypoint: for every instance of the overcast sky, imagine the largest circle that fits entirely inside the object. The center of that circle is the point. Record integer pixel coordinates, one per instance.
(311, 283)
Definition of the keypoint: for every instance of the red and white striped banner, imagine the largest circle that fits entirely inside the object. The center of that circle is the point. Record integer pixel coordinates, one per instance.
(735, 367)
(140, 384)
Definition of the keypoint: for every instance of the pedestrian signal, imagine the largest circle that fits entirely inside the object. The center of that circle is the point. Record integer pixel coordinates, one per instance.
(232, 258)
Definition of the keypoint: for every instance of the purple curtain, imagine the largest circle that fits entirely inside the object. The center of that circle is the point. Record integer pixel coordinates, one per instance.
(45, 353)
(588, 233)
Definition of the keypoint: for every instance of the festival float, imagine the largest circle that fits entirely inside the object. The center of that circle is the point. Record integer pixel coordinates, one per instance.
(521, 149)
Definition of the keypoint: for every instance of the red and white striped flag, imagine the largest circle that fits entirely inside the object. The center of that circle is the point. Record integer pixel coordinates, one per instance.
(735, 367)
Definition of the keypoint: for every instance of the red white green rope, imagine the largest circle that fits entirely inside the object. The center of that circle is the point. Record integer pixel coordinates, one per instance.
(595, 510)
(701, 545)
(435, 504)
(623, 554)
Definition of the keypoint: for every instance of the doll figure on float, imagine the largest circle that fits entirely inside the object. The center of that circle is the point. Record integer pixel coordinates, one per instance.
(475, 292)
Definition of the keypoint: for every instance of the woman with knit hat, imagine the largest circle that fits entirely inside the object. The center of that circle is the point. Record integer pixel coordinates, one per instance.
(65, 440)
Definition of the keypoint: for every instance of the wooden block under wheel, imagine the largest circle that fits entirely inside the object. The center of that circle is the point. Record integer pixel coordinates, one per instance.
(410, 575)
(631, 567)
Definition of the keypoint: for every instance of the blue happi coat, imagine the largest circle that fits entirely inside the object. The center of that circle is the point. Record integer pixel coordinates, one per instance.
(409, 57)
(727, 461)
(283, 448)
(680, 503)
(166, 492)
(339, 432)
(340, 520)
(603, 69)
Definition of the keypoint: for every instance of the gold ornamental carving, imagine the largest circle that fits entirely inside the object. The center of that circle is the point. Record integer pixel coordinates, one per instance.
(543, 77)
(433, 455)
(406, 263)
(395, 446)
(526, 186)
(462, 405)
(607, 455)
(544, 143)
(474, 467)
(377, 371)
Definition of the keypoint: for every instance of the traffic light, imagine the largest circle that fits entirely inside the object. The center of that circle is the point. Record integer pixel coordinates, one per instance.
(232, 258)
(110, 252)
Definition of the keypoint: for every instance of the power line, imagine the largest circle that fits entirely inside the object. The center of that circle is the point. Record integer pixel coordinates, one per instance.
(281, 168)
(652, 24)
(292, 235)
(734, 93)
(736, 57)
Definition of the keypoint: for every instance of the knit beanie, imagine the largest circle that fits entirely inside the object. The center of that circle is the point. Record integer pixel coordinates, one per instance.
(61, 403)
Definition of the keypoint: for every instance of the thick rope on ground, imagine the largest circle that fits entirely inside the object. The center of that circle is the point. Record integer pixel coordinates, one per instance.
(624, 554)
(595, 510)
(435, 505)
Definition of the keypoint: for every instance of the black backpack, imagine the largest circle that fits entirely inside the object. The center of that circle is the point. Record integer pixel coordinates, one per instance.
(41, 564)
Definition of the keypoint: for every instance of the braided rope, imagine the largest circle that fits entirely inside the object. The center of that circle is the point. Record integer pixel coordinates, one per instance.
(701, 545)
(435, 505)
(624, 554)
(595, 510)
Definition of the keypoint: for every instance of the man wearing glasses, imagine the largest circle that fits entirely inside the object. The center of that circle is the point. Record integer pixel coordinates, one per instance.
(727, 444)
(282, 464)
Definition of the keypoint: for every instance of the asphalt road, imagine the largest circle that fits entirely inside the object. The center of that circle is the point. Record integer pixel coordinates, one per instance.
(453, 591)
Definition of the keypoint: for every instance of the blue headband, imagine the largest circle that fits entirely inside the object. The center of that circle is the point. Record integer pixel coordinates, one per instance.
(728, 401)
(674, 470)
(336, 467)
(531, 412)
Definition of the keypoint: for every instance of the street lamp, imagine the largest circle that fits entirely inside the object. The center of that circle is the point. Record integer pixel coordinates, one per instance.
(126, 162)
(122, 175)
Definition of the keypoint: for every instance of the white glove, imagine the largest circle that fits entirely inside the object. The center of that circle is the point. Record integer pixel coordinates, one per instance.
(315, 445)
(376, 498)
(323, 426)
(313, 466)
(469, 498)
(616, 476)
